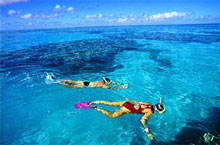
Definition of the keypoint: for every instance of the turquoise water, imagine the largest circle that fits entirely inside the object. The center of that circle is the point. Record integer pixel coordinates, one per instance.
(178, 63)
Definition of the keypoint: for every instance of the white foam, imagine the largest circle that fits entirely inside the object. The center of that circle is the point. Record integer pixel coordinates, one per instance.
(49, 79)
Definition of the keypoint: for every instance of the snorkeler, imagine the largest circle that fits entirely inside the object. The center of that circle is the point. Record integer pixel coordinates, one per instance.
(82, 84)
(132, 106)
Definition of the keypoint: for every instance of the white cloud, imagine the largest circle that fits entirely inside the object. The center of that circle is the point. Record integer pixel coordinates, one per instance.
(100, 15)
(122, 20)
(36, 16)
(208, 18)
(60, 8)
(145, 15)
(146, 19)
(132, 19)
(27, 16)
(95, 16)
(47, 16)
(70, 9)
(90, 16)
(201, 17)
(13, 12)
(133, 15)
(30, 23)
(168, 15)
(7, 2)
(50, 16)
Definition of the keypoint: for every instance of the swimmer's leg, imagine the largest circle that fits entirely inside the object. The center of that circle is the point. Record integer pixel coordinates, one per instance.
(119, 104)
(72, 83)
(114, 114)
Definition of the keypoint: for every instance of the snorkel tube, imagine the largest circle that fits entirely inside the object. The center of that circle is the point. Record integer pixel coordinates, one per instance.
(106, 80)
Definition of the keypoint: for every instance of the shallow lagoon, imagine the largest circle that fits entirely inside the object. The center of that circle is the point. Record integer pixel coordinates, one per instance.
(179, 63)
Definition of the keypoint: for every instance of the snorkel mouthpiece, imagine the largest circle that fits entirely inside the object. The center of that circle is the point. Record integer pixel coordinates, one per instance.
(161, 112)
(160, 108)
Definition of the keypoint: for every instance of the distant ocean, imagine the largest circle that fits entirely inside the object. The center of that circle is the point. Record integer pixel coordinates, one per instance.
(180, 63)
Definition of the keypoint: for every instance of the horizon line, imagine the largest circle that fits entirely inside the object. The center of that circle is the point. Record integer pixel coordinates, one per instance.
(34, 29)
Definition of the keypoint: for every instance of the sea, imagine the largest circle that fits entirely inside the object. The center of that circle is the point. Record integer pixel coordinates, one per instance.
(179, 63)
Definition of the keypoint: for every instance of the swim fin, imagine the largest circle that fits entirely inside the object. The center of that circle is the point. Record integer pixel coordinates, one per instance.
(84, 105)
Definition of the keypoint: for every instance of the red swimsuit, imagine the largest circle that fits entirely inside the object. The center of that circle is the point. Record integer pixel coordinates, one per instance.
(130, 106)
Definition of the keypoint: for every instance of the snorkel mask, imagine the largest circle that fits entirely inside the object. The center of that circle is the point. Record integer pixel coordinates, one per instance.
(159, 107)
(106, 80)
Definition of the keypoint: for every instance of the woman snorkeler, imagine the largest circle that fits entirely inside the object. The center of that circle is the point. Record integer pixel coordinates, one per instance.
(126, 107)
(82, 84)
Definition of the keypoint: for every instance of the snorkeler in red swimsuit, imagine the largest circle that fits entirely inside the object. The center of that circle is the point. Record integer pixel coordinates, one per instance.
(135, 107)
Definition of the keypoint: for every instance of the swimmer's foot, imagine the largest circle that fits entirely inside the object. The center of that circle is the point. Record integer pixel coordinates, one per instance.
(84, 105)
(51, 79)
(91, 104)
(125, 86)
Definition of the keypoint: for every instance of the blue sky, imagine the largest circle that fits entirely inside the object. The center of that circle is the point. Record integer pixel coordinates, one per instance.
(34, 14)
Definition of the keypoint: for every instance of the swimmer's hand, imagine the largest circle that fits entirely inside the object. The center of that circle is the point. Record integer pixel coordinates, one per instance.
(151, 136)
(125, 86)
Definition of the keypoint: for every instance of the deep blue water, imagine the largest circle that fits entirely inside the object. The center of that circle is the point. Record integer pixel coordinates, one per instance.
(180, 63)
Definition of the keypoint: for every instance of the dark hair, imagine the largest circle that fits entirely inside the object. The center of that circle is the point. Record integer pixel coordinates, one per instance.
(159, 107)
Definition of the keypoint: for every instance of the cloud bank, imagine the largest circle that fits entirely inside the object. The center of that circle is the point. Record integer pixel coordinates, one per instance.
(168, 15)
(122, 20)
(70, 9)
(13, 12)
(50, 16)
(59, 8)
(7, 2)
(27, 16)
(150, 18)
(95, 16)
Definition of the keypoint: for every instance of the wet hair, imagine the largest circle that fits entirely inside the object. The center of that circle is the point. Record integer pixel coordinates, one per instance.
(159, 107)
(108, 80)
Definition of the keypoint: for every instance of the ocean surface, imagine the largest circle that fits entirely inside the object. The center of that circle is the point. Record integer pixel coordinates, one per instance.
(180, 63)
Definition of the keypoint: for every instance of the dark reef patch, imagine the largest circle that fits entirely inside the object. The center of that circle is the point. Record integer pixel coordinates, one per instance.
(154, 55)
(137, 140)
(194, 130)
(83, 56)
(161, 35)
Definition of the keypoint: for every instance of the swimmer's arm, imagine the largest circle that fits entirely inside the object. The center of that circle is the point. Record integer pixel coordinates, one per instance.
(122, 85)
(68, 81)
(146, 129)
(115, 88)
(65, 84)
(115, 83)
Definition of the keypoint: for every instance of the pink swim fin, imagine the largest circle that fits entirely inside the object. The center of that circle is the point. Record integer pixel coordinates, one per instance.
(84, 105)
